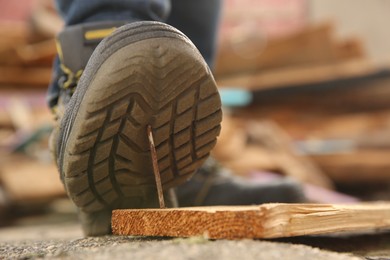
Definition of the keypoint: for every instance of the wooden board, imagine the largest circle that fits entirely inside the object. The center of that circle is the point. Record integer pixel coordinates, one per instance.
(311, 46)
(34, 76)
(299, 75)
(358, 167)
(263, 221)
(270, 149)
(26, 180)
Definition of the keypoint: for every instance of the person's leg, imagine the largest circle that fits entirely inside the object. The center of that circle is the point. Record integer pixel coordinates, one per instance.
(76, 12)
(82, 11)
(199, 20)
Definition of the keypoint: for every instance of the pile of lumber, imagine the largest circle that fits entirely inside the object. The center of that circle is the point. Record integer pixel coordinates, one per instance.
(29, 179)
(247, 145)
(27, 49)
(315, 45)
(324, 93)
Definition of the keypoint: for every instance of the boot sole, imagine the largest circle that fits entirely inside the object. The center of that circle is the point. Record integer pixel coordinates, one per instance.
(145, 73)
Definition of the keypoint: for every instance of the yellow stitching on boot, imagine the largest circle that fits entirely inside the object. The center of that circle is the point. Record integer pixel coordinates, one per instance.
(77, 78)
(98, 34)
(54, 109)
(65, 69)
(78, 74)
(72, 78)
(59, 50)
(70, 75)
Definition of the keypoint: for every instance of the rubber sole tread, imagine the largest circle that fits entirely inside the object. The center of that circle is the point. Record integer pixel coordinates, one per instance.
(161, 81)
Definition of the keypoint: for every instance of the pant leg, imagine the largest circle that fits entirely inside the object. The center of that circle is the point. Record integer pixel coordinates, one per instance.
(199, 20)
(81, 11)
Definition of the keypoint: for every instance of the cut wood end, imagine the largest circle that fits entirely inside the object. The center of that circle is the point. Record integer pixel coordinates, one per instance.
(263, 221)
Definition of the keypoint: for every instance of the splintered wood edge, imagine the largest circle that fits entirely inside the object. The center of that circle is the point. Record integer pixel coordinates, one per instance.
(263, 221)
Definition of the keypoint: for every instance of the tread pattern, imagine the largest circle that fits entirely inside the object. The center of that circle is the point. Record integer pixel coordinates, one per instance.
(107, 158)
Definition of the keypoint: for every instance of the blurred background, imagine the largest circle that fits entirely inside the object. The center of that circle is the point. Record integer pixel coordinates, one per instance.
(305, 86)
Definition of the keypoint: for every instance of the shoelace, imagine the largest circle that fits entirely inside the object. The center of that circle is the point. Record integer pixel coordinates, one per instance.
(69, 80)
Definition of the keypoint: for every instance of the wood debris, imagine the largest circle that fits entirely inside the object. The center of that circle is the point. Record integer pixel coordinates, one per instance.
(26, 180)
(323, 92)
(313, 46)
(27, 51)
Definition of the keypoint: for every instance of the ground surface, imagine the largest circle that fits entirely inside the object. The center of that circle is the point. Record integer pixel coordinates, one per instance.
(65, 242)
(58, 236)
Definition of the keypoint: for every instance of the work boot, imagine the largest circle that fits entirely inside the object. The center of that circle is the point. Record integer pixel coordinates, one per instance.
(141, 74)
(214, 185)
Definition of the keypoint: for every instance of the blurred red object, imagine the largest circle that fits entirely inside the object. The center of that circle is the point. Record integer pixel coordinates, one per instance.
(15, 11)
(272, 18)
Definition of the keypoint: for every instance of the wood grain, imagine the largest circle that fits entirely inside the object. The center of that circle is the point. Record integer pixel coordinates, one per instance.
(263, 221)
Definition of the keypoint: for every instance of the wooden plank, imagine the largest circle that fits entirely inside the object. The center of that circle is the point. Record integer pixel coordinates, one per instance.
(26, 180)
(358, 167)
(28, 76)
(314, 45)
(41, 53)
(263, 221)
(270, 148)
(298, 167)
(13, 31)
(45, 21)
(369, 128)
(350, 48)
(241, 55)
(298, 75)
(313, 102)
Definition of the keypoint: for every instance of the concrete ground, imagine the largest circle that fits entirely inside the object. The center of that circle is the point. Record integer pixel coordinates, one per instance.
(58, 236)
(66, 242)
